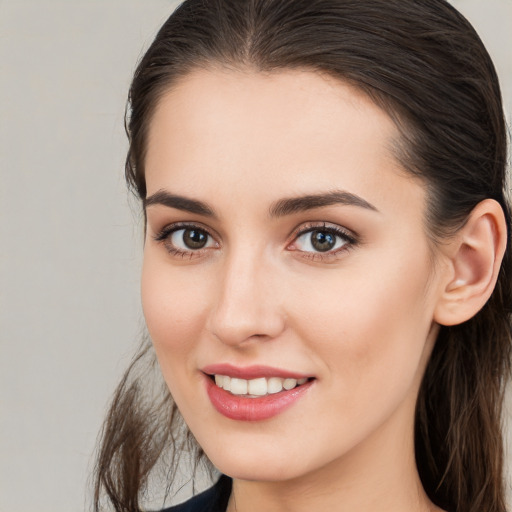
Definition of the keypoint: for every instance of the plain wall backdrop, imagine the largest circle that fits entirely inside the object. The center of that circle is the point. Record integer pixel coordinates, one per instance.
(70, 243)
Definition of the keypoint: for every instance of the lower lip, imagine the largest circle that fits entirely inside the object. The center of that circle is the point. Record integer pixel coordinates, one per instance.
(253, 409)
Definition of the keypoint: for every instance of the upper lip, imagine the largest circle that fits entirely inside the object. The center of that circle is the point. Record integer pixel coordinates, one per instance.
(251, 372)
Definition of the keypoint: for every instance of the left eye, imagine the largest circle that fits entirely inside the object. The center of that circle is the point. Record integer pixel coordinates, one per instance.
(320, 240)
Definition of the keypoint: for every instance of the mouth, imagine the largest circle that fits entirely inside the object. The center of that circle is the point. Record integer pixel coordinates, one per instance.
(255, 393)
(259, 387)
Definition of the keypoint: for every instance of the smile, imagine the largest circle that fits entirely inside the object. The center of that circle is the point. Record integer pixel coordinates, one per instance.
(253, 394)
(255, 388)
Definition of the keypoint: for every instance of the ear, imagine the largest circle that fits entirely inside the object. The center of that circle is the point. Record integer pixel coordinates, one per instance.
(474, 258)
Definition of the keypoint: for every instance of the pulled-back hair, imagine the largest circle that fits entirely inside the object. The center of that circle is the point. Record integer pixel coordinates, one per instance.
(423, 63)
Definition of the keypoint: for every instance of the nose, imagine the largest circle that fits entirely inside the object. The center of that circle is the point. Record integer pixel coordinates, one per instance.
(247, 303)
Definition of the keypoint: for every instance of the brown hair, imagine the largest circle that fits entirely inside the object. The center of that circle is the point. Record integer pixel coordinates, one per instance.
(423, 63)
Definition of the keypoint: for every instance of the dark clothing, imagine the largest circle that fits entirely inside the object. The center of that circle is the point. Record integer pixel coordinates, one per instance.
(214, 499)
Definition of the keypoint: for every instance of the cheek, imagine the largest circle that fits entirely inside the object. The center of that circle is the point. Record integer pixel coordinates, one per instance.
(369, 323)
(173, 309)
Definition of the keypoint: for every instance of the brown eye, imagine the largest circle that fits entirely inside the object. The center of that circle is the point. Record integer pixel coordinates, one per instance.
(186, 239)
(194, 238)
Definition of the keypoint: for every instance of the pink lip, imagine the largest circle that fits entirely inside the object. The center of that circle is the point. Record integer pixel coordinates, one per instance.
(251, 372)
(253, 409)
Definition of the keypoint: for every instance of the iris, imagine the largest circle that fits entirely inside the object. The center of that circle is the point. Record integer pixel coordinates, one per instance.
(323, 240)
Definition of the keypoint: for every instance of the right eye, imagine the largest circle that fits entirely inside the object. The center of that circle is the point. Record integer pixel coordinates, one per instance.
(185, 240)
(190, 239)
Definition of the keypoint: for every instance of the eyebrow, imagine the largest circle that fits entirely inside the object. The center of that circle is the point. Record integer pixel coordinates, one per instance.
(179, 202)
(280, 208)
(309, 202)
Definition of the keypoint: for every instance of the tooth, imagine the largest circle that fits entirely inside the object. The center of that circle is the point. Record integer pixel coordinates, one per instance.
(257, 387)
(274, 385)
(238, 386)
(289, 383)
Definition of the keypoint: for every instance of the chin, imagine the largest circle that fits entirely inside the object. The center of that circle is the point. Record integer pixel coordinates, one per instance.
(255, 467)
(257, 472)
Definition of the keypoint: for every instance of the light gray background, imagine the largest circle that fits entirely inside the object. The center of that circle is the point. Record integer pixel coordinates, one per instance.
(69, 241)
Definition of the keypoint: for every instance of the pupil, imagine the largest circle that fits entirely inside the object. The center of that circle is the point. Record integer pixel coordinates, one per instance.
(322, 241)
(194, 239)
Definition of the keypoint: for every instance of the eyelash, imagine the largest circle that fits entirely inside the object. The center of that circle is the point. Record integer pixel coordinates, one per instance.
(350, 240)
(164, 237)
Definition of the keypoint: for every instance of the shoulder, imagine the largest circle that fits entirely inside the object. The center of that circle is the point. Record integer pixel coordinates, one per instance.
(214, 499)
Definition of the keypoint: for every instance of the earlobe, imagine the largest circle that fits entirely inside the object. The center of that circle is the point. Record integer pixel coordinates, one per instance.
(476, 253)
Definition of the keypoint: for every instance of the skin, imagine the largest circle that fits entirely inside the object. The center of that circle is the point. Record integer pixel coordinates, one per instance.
(361, 321)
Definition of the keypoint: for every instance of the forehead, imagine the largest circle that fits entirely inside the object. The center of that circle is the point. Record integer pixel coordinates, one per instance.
(292, 131)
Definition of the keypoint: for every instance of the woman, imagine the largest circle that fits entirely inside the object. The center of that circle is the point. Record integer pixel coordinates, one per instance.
(326, 277)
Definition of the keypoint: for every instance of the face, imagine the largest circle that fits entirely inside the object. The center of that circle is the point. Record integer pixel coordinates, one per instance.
(286, 250)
